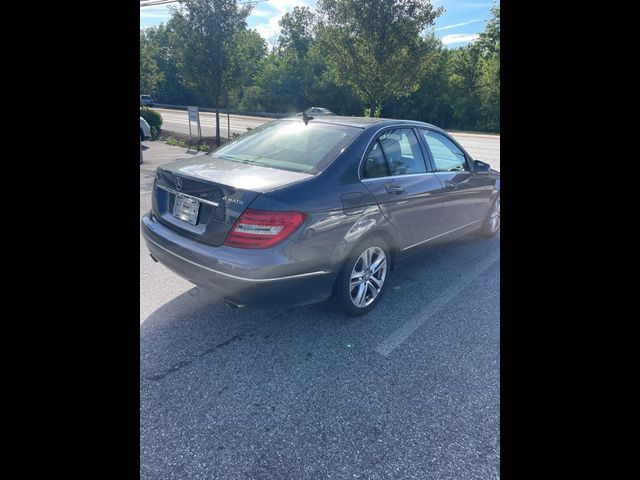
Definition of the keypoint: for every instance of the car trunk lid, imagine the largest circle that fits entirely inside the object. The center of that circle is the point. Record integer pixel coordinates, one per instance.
(203, 197)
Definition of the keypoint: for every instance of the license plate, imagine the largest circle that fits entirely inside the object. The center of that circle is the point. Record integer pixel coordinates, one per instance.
(186, 209)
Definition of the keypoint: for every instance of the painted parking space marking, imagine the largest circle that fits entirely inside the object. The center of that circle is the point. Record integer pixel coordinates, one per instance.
(389, 344)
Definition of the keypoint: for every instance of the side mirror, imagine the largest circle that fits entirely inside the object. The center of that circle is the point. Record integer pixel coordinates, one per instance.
(481, 167)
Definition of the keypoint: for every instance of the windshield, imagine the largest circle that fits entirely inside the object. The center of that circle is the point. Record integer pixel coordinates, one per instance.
(289, 145)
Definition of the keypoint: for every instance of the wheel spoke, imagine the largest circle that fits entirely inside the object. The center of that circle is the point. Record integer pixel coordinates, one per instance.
(355, 281)
(376, 282)
(366, 259)
(495, 217)
(380, 262)
(374, 291)
(360, 297)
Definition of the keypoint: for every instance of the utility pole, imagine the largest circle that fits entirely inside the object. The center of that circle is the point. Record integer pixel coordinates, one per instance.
(217, 125)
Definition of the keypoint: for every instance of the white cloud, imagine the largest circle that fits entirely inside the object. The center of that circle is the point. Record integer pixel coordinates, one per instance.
(477, 5)
(260, 13)
(267, 17)
(155, 12)
(455, 25)
(270, 30)
(459, 38)
(144, 14)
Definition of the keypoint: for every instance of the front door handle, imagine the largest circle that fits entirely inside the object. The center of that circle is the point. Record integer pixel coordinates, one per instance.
(450, 184)
(393, 188)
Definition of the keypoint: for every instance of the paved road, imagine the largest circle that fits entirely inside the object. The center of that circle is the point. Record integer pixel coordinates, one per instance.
(176, 121)
(481, 147)
(409, 391)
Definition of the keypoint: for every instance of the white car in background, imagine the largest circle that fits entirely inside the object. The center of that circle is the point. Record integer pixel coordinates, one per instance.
(145, 130)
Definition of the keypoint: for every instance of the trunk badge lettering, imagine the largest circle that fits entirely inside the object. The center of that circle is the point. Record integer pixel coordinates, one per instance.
(233, 200)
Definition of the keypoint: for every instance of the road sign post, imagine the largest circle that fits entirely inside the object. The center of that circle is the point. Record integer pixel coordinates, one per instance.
(194, 116)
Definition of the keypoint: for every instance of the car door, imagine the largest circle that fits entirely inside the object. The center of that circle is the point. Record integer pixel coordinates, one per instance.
(465, 194)
(394, 170)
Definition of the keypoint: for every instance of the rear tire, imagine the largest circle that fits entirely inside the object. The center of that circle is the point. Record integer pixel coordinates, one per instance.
(491, 225)
(363, 278)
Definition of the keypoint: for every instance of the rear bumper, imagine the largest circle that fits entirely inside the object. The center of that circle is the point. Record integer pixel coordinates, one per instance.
(260, 278)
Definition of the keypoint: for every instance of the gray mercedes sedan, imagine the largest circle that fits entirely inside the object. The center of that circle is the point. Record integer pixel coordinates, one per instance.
(303, 209)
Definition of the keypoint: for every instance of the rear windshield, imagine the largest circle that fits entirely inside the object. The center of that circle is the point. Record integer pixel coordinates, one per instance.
(289, 145)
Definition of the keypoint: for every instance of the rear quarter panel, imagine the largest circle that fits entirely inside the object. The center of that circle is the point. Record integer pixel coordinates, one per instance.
(340, 212)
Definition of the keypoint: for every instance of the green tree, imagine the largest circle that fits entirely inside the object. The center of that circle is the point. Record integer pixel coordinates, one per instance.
(165, 48)
(289, 74)
(374, 46)
(431, 102)
(276, 92)
(463, 94)
(347, 56)
(489, 41)
(150, 74)
(247, 56)
(296, 32)
(488, 80)
(206, 29)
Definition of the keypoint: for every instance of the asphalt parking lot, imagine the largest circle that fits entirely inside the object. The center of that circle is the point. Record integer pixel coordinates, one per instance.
(409, 391)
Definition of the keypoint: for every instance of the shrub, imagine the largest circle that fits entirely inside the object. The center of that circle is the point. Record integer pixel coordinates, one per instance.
(154, 119)
(175, 142)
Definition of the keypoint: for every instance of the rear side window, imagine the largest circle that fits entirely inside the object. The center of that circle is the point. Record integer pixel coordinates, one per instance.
(375, 164)
(446, 156)
(396, 152)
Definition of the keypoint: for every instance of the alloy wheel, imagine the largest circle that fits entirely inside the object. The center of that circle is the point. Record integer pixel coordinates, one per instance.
(367, 277)
(495, 216)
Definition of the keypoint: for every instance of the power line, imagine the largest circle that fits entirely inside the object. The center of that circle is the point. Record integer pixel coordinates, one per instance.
(151, 3)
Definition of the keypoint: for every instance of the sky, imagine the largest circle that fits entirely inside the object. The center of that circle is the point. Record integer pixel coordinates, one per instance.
(460, 24)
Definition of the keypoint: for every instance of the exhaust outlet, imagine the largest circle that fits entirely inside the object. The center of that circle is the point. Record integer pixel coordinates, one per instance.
(230, 303)
(153, 258)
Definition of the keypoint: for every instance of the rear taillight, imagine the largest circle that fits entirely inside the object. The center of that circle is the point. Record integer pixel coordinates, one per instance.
(262, 228)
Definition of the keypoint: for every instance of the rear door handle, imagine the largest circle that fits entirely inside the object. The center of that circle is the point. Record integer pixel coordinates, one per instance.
(393, 188)
(450, 184)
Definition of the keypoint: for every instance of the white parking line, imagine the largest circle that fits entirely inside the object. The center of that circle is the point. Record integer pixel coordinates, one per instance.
(401, 334)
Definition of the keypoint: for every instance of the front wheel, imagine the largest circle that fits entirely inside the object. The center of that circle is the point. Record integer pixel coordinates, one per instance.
(363, 277)
(491, 224)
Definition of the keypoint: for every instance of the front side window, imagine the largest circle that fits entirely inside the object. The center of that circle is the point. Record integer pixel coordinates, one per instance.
(446, 155)
(396, 152)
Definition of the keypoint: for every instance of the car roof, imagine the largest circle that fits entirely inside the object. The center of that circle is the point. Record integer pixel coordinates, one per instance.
(363, 122)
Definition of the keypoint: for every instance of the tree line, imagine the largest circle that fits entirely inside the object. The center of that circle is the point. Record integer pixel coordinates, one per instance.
(355, 57)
